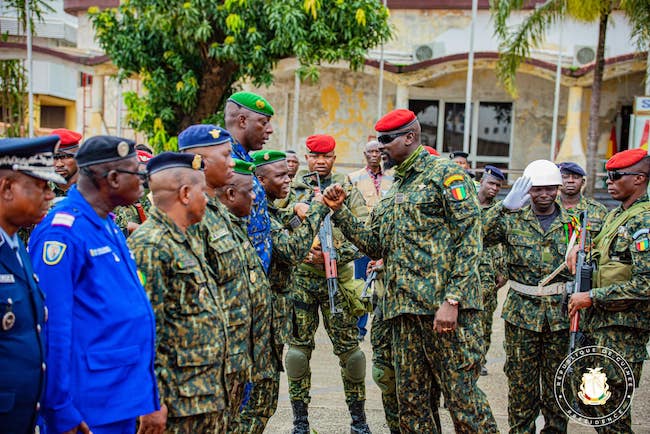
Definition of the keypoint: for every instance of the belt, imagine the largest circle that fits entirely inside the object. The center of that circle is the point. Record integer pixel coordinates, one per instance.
(538, 291)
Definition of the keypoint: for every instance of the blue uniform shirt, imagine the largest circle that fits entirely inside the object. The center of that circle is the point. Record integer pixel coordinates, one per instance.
(259, 223)
(22, 338)
(101, 327)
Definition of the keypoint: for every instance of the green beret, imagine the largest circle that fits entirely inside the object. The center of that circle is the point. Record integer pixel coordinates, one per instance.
(267, 156)
(243, 167)
(252, 102)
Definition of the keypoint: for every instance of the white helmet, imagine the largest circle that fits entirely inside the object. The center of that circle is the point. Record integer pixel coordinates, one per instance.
(543, 172)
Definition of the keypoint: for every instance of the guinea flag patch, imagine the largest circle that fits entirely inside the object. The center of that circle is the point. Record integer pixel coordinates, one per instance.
(142, 277)
(641, 241)
(458, 191)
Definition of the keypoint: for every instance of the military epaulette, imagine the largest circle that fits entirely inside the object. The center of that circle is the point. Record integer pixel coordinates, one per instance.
(63, 219)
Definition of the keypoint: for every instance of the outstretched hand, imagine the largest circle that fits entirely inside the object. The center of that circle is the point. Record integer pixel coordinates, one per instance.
(333, 196)
(518, 196)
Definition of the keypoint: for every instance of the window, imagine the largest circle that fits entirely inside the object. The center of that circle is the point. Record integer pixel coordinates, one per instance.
(52, 116)
(427, 113)
(454, 127)
(498, 117)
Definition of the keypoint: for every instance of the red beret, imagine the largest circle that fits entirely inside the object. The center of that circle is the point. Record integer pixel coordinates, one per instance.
(395, 120)
(320, 143)
(625, 159)
(143, 156)
(431, 150)
(69, 139)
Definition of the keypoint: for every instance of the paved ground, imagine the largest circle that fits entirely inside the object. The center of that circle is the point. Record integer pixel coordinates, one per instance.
(328, 412)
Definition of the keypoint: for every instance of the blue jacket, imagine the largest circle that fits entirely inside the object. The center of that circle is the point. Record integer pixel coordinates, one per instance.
(259, 222)
(101, 328)
(22, 344)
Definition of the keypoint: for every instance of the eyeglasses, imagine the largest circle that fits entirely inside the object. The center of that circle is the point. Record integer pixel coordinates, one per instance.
(142, 175)
(615, 176)
(387, 138)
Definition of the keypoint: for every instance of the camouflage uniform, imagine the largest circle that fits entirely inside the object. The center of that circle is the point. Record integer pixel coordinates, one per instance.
(190, 335)
(491, 265)
(620, 316)
(265, 363)
(289, 248)
(595, 210)
(309, 291)
(259, 224)
(536, 334)
(130, 213)
(423, 268)
(226, 263)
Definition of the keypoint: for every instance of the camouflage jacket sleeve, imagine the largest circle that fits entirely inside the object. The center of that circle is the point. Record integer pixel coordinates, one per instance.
(365, 237)
(493, 228)
(291, 247)
(347, 250)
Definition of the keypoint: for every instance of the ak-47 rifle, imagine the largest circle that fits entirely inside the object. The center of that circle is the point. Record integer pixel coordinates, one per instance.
(582, 282)
(329, 253)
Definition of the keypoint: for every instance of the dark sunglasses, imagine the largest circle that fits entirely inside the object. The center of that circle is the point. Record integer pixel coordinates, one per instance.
(142, 175)
(387, 138)
(62, 156)
(615, 176)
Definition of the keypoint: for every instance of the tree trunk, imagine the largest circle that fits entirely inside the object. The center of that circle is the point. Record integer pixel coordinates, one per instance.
(214, 83)
(594, 108)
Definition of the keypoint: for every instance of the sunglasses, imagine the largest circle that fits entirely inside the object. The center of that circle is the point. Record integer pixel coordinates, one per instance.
(62, 156)
(615, 176)
(387, 138)
(142, 175)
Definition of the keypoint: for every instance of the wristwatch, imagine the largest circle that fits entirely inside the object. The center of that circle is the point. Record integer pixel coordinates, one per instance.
(452, 302)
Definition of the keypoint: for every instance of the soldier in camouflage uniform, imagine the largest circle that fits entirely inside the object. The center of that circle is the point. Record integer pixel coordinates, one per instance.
(309, 292)
(224, 256)
(572, 200)
(290, 246)
(190, 332)
(129, 217)
(491, 263)
(535, 239)
(618, 314)
(432, 301)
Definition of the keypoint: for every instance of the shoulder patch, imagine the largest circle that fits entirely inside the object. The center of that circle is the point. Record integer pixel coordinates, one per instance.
(641, 240)
(451, 179)
(640, 232)
(458, 191)
(53, 252)
(63, 219)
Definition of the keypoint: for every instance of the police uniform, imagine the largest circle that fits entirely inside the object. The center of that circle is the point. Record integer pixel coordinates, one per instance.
(422, 271)
(190, 326)
(226, 261)
(101, 326)
(259, 224)
(23, 314)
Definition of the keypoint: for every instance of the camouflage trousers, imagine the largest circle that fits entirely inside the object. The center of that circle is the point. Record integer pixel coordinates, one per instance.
(207, 423)
(489, 306)
(235, 388)
(631, 344)
(261, 405)
(532, 358)
(382, 358)
(424, 358)
(308, 295)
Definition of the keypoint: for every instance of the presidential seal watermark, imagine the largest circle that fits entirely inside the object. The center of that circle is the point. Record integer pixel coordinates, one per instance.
(594, 386)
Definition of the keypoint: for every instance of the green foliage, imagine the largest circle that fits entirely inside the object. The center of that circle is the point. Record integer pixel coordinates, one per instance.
(188, 55)
(13, 89)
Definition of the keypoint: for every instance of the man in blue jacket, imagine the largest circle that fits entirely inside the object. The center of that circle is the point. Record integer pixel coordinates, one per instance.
(101, 326)
(26, 166)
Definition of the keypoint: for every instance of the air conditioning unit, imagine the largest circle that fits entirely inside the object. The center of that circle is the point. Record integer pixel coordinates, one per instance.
(426, 52)
(585, 54)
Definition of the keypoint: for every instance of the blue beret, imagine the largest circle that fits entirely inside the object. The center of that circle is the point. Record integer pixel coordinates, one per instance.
(104, 149)
(197, 136)
(569, 167)
(494, 171)
(172, 160)
(34, 157)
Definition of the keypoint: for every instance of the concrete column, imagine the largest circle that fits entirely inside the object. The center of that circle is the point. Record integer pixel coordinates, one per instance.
(402, 97)
(571, 148)
(96, 120)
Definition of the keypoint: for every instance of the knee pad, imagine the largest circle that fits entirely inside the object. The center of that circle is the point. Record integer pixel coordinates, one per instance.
(354, 366)
(384, 378)
(297, 363)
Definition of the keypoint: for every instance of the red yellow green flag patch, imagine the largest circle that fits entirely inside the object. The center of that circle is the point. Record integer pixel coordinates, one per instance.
(142, 277)
(458, 191)
(642, 245)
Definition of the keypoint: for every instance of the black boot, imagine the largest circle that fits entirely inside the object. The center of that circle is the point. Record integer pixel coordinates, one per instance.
(300, 422)
(358, 425)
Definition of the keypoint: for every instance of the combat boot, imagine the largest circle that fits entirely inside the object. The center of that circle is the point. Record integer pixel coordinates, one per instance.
(300, 422)
(358, 425)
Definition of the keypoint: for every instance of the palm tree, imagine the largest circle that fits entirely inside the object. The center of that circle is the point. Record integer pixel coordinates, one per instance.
(516, 44)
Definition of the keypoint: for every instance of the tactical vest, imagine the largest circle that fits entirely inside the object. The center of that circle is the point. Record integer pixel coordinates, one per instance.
(610, 271)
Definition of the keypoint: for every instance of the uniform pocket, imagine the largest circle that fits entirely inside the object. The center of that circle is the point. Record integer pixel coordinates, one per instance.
(113, 358)
(227, 265)
(199, 371)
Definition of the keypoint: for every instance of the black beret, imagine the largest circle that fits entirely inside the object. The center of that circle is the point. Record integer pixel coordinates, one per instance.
(458, 154)
(172, 160)
(569, 167)
(104, 149)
